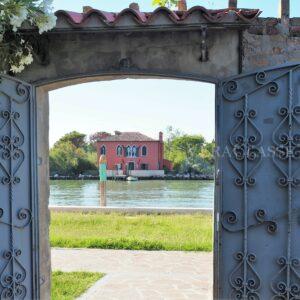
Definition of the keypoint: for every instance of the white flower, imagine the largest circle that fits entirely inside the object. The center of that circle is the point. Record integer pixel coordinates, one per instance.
(17, 20)
(14, 13)
(26, 60)
(17, 69)
(46, 23)
(19, 53)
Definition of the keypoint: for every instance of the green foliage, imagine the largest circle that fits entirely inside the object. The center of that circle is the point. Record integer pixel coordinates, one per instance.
(71, 155)
(93, 138)
(207, 152)
(188, 144)
(189, 153)
(63, 158)
(75, 138)
(168, 3)
(132, 232)
(69, 286)
(16, 51)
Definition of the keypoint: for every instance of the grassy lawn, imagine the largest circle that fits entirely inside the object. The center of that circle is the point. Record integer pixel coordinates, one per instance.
(68, 286)
(134, 232)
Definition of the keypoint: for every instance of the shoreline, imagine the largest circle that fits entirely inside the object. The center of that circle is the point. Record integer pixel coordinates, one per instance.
(200, 178)
(131, 210)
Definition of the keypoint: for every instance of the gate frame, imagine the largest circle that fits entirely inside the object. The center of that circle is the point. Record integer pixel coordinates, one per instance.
(42, 89)
(40, 143)
(33, 189)
(219, 168)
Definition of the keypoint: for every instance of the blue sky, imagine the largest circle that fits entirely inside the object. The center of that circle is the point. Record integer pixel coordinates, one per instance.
(269, 7)
(144, 105)
(148, 106)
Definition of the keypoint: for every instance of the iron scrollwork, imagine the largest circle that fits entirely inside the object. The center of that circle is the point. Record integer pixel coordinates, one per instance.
(286, 138)
(230, 222)
(13, 275)
(245, 140)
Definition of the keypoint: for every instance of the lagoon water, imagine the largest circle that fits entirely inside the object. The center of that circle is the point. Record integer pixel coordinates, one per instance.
(156, 193)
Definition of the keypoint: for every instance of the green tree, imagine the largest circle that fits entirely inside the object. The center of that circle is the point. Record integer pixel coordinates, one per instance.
(189, 144)
(170, 134)
(63, 158)
(189, 153)
(207, 152)
(71, 155)
(75, 138)
(87, 161)
(94, 138)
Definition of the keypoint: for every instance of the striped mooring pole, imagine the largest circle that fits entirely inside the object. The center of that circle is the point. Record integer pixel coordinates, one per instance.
(103, 179)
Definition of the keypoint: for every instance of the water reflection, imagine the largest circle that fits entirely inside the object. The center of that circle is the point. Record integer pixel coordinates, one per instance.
(158, 193)
(102, 189)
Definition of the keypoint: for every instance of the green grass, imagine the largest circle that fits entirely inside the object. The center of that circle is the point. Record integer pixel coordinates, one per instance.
(67, 286)
(134, 232)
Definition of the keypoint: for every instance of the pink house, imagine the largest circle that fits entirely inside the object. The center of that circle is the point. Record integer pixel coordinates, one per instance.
(133, 153)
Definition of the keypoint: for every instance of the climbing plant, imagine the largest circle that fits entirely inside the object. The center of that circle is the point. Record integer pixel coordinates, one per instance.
(15, 51)
(168, 3)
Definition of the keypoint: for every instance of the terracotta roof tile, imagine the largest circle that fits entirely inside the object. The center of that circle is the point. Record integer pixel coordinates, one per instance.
(177, 17)
(127, 137)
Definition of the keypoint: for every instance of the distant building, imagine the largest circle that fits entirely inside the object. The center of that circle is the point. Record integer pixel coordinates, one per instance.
(133, 153)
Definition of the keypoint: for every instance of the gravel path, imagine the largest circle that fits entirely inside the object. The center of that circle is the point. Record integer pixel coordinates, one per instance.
(140, 275)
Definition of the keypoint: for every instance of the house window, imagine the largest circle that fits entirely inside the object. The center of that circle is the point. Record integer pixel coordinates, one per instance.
(103, 150)
(119, 150)
(144, 166)
(118, 167)
(134, 151)
(144, 150)
(128, 151)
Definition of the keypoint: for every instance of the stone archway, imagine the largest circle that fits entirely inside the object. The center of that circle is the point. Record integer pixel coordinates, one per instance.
(42, 123)
(199, 44)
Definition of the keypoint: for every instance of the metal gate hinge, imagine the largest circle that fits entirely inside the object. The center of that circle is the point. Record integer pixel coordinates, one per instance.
(42, 280)
(218, 177)
(204, 48)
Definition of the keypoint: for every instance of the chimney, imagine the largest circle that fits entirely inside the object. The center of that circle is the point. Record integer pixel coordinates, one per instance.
(86, 9)
(161, 137)
(284, 6)
(232, 4)
(103, 135)
(134, 6)
(182, 5)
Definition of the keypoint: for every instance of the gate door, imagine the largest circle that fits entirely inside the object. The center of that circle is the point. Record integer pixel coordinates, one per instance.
(18, 223)
(258, 249)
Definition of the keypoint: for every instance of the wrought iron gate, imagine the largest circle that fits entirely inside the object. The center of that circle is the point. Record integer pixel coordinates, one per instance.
(18, 222)
(258, 213)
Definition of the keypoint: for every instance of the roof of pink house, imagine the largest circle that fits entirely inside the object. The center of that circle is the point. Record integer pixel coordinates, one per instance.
(94, 18)
(127, 137)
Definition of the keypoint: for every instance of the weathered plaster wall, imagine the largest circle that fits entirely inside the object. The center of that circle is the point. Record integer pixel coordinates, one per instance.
(42, 108)
(80, 55)
(260, 51)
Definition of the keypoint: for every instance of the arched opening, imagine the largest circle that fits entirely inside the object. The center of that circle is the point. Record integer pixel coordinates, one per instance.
(119, 150)
(183, 187)
(144, 151)
(103, 150)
